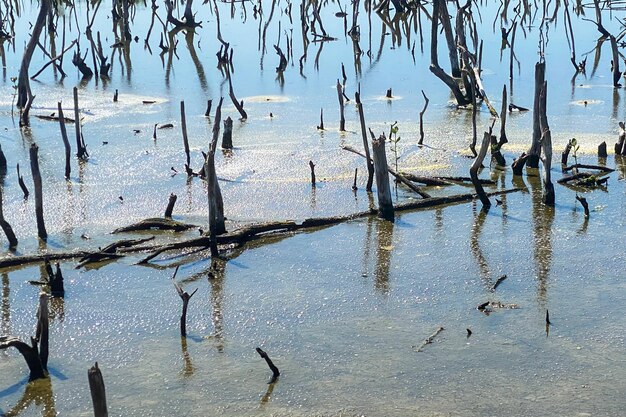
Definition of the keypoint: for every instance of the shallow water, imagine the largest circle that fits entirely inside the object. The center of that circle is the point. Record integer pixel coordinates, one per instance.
(340, 310)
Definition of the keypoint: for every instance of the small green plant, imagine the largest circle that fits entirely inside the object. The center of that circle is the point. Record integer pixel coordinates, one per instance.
(393, 141)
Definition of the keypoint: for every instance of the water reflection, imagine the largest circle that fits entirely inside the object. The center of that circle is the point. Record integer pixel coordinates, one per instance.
(542, 218)
(268, 394)
(5, 307)
(384, 234)
(188, 367)
(216, 280)
(477, 227)
(38, 392)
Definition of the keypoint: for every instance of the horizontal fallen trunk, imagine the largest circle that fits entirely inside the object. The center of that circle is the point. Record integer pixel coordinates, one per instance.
(250, 233)
(156, 223)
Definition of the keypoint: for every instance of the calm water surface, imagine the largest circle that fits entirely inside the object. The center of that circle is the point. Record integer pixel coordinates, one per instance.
(343, 309)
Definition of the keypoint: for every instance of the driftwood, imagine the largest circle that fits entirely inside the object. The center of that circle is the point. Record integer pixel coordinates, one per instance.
(110, 251)
(392, 172)
(155, 223)
(586, 166)
(249, 233)
(429, 340)
(565, 153)
(498, 282)
(583, 202)
(52, 118)
(518, 164)
(35, 354)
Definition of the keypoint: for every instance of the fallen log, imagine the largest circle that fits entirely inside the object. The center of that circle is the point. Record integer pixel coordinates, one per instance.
(156, 223)
(399, 177)
(587, 166)
(53, 118)
(252, 232)
(429, 340)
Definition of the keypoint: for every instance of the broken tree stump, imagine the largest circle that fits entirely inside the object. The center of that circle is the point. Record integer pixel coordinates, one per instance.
(66, 142)
(20, 180)
(546, 147)
(370, 165)
(602, 150)
(6, 227)
(98, 392)
(170, 206)
(35, 354)
(57, 288)
(474, 171)
(34, 166)
(383, 190)
(183, 122)
(80, 145)
(227, 136)
(583, 202)
(342, 119)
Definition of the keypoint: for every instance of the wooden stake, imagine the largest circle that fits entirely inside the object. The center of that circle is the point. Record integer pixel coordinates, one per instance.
(183, 122)
(421, 141)
(312, 166)
(370, 165)
(321, 125)
(207, 113)
(34, 166)
(66, 142)
(98, 392)
(385, 203)
(342, 120)
(80, 146)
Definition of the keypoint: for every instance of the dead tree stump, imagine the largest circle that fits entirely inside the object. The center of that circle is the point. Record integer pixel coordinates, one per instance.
(66, 142)
(370, 165)
(170, 206)
(546, 147)
(6, 227)
(602, 150)
(80, 144)
(474, 171)
(312, 166)
(535, 147)
(342, 119)
(383, 190)
(20, 180)
(98, 392)
(227, 136)
(183, 122)
(34, 166)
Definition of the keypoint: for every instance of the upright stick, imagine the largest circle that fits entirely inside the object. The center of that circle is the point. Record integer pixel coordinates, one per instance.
(34, 166)
(66, 142)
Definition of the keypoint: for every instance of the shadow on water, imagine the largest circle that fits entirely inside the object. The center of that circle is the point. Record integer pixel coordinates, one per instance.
(384, 236)
(216, 280)
(477, 253)
(38, 392)
(542, 218)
